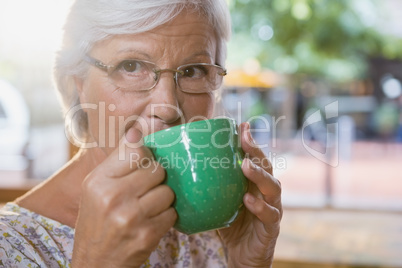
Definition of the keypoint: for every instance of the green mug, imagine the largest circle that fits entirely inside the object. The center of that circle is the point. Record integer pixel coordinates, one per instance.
(203, 161)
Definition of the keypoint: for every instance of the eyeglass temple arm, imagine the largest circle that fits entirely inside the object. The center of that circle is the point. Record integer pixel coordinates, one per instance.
(96, 63)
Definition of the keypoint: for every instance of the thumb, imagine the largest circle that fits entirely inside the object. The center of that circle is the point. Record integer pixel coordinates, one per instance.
(126, 157)
(132, 138)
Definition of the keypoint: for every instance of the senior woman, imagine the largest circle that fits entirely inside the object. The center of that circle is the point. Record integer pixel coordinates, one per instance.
(127, 68)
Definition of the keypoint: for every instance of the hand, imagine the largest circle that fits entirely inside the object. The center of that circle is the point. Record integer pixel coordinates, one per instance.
(124, 211)
(251, 240)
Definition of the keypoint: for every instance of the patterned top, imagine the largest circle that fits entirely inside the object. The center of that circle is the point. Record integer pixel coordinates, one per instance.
(30, 240)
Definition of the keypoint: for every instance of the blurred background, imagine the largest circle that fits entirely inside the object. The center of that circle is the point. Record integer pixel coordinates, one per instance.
(320, 83)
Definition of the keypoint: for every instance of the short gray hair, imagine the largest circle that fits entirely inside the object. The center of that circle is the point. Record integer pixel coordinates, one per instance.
(91, 21)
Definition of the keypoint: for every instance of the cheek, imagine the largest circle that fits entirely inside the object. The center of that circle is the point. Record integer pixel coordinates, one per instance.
(112, 111)
(93, 96)
(107, 124)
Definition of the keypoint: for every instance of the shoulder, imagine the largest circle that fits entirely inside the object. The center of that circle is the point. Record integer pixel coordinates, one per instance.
(30, 240)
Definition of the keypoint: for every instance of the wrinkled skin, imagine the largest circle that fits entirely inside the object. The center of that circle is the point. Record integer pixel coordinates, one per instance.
(251, 239)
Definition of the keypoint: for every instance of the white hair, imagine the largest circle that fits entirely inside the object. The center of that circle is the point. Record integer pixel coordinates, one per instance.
(91, 21)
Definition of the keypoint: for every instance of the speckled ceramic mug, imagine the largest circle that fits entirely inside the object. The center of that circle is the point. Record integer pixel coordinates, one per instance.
(203, 164)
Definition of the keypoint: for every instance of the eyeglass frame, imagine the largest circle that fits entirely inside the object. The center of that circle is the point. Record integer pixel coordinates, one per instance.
(104, 67)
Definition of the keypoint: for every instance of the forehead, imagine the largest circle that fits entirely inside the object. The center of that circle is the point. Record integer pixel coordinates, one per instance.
(186, 37)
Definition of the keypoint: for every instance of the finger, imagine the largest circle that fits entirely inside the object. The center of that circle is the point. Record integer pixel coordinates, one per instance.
(269, 186)
(144, 179)
(270, 216)
(163, 222)
(252, 150)
(128, 157)
(157, 200)
(168, 217)
(155, 228)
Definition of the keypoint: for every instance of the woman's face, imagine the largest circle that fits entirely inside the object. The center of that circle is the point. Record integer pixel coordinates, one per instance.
(186, 39)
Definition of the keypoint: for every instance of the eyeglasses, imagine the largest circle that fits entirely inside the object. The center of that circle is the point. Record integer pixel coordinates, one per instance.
(141, 75)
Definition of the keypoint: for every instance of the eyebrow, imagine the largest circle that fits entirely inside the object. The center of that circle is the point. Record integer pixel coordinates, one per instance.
(130, 50)
(198, 54)
(148, 57)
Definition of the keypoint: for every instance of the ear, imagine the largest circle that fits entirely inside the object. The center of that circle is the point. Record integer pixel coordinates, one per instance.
(79, 85)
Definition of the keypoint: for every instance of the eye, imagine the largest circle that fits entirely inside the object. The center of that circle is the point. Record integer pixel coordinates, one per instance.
(130, 66)
(195, 71)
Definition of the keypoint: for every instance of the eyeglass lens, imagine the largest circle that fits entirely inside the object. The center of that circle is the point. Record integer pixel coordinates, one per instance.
(140, 75)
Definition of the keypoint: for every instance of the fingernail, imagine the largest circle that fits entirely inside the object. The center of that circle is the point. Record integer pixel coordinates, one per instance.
(250, 199)
(246, 126)
(248, 163)
(250, 137)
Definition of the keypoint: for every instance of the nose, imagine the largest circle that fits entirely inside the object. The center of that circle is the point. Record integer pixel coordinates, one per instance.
(165, 105)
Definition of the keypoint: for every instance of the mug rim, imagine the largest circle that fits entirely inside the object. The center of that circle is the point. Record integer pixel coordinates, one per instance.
(185, 125)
